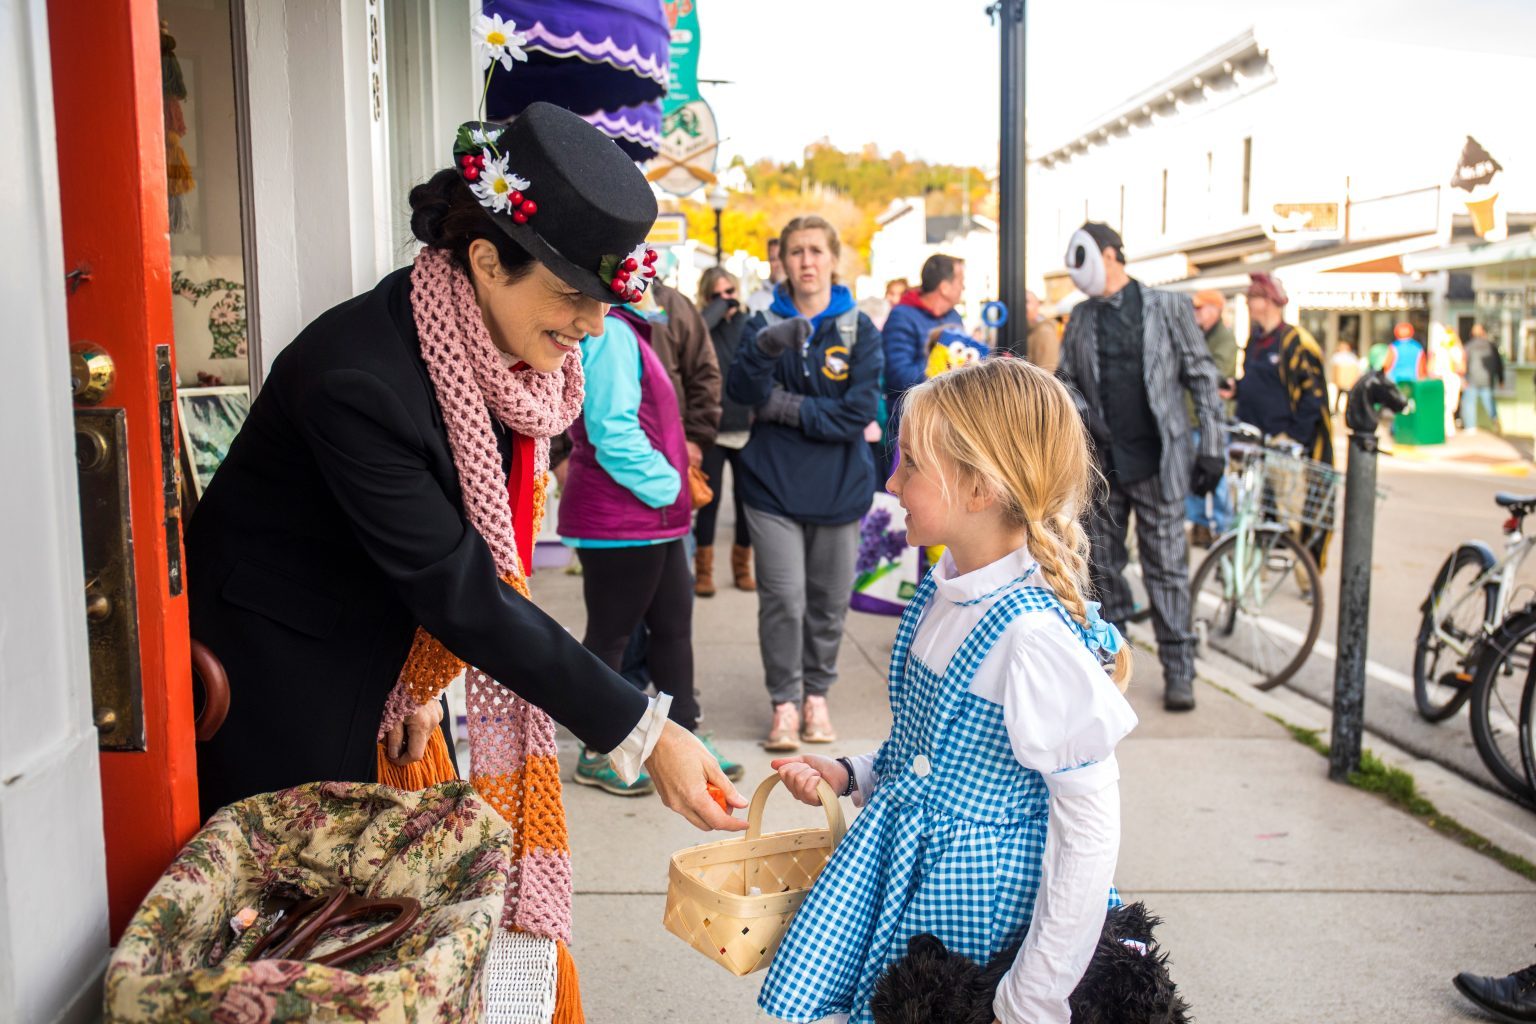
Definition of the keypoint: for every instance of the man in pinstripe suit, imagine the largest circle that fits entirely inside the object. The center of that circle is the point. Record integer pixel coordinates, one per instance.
(1129, 354)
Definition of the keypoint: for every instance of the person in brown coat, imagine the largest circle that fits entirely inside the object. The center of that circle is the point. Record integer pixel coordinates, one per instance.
(1043, 347)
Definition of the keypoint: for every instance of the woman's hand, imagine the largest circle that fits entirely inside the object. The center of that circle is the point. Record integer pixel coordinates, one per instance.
(801, 774)
(406, 743)
(681, 767)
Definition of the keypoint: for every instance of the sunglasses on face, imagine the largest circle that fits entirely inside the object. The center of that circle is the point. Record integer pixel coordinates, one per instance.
(722, 293)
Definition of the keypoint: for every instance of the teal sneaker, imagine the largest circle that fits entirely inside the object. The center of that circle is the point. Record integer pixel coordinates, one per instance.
(732, 770)
(596, 770)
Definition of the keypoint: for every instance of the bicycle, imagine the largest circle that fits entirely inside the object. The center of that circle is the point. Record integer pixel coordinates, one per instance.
(1257, 596)
(1528, 734)
(1502, 702)
(1468, 600)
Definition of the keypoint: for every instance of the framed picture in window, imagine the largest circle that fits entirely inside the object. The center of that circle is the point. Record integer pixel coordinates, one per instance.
(210, 419)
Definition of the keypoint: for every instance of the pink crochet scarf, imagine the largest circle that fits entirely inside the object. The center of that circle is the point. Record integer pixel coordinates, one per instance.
(513, 759)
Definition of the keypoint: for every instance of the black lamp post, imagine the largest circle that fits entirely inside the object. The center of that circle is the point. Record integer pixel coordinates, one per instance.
(719, 198)
(1011, 191)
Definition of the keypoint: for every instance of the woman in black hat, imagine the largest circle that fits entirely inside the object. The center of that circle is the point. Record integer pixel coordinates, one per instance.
(367, 536)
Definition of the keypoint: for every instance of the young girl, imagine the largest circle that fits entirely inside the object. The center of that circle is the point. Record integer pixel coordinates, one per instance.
(1006, 714)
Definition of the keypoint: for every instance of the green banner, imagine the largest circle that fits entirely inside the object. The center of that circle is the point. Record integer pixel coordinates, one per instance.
(683, 67)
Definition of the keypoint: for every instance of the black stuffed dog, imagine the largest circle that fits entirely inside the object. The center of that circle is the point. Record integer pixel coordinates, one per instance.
(1126, 982)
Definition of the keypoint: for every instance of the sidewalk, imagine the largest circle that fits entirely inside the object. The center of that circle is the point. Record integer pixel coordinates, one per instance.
(1287, 898)
(1480, 452)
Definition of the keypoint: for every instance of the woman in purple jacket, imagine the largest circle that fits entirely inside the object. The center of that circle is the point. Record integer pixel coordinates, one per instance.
(626, 510)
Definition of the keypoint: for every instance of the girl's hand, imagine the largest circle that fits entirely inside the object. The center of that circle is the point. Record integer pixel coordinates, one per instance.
(800, 775)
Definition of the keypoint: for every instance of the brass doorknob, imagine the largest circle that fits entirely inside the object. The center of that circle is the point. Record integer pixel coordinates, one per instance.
(97, 605)
(91, 373)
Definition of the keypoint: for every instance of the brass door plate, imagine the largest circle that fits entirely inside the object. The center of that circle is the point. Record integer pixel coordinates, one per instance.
(111, 605)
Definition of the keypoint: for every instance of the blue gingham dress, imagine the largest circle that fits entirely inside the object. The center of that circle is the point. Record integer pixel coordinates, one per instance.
(951, 842)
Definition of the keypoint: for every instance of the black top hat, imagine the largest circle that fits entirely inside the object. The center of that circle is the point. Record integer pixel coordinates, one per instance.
(566, 193)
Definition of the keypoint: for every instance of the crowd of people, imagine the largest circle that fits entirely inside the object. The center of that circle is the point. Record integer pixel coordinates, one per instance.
(370, 536)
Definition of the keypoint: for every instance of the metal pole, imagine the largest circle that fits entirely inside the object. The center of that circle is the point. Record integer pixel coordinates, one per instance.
(1354, 607)
(1362, 415)
(1012, 198)
(719, 253)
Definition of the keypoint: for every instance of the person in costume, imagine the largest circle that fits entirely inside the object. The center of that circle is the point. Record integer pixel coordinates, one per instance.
(1284, 388)
(1130, 356)
(950, 348)
(991, 814)
(809, 365)
(370, 534)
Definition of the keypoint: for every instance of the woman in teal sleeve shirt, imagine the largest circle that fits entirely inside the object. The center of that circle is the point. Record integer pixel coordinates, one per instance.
(625, 509)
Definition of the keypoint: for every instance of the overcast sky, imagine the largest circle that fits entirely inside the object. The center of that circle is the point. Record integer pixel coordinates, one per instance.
(921, 76)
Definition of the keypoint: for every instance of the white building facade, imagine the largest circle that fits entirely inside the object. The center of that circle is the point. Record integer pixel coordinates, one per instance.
(1319, 157)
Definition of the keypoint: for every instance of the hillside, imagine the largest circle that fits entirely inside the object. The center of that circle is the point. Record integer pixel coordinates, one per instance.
(850, 189)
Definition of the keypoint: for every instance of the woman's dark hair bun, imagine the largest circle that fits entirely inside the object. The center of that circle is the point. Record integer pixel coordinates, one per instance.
(431, 202)
(446, 215)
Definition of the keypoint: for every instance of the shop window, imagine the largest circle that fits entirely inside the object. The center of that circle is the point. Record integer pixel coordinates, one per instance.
(205, 174)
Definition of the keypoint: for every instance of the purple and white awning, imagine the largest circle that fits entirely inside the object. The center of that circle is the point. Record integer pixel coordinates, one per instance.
(599, 58)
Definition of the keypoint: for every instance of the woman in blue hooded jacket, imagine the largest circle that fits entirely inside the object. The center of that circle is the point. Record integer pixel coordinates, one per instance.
(810, 366)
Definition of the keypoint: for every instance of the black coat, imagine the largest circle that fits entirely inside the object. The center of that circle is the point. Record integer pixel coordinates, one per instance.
(332, 530)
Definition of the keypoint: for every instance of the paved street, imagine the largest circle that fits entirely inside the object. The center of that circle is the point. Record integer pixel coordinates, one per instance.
(1265, 871)
(1435, 499)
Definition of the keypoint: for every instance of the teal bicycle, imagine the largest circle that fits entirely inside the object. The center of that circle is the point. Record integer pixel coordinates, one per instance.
(1257, 597)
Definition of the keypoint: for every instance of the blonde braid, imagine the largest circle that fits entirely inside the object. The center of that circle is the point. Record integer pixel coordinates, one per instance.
(1061, 549)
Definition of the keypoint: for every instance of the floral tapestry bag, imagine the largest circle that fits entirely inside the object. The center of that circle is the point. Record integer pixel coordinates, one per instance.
(330, 901)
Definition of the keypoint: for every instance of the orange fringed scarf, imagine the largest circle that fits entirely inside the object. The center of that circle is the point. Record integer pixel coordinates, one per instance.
(513, 758)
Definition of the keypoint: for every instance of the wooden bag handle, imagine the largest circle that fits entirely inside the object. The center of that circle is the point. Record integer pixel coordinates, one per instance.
(207, 667)
(835, 823)
(294, 937)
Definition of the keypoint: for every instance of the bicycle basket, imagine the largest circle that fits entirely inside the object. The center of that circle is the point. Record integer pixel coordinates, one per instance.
(1300, 491)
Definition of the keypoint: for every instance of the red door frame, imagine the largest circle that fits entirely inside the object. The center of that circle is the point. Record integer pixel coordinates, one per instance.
(112, 190)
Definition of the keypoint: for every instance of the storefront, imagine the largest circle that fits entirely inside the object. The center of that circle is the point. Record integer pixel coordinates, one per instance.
(1494, 284)
(190, 183)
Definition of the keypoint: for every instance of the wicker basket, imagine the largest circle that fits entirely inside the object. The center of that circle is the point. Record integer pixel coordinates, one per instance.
(709, 901)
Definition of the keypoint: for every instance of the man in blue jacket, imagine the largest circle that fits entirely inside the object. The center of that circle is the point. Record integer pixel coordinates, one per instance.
(906, 331)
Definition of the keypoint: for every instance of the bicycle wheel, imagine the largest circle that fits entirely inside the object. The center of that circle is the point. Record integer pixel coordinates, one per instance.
(1505, 670)
(1442, 679)
(1528, 733)
(1264, 613)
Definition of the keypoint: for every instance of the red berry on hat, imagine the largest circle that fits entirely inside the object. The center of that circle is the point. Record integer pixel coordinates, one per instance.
(530, 207)
(617, 286)
(515, 197)
(631, 264)
(466, 160)
(518, 217)
(650, 256)
(471, 173)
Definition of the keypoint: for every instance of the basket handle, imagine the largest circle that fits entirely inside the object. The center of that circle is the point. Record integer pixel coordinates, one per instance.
(835, 823)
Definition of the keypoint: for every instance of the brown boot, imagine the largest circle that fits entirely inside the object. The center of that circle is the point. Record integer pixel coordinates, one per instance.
(704, 572)
(741, 567)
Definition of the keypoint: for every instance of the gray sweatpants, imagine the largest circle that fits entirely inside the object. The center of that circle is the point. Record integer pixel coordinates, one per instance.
(804, 580)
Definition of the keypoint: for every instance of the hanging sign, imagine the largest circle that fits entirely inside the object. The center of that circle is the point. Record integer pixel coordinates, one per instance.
(683, 66)
(669, 229)
(689, 142)
(1478, 174)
